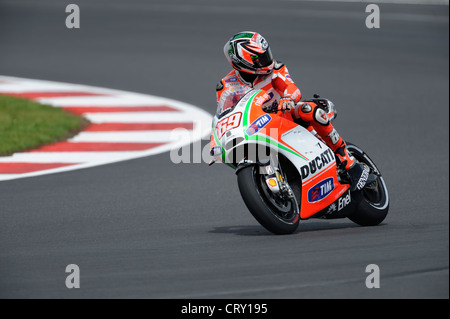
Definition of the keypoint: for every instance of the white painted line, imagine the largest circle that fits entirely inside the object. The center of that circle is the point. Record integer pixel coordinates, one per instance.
(121, 100)
(123, 137)
(139, 117)
(67, 157)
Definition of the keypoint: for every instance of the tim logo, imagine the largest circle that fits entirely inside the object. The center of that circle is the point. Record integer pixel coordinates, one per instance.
(258, 124)
(321, 190)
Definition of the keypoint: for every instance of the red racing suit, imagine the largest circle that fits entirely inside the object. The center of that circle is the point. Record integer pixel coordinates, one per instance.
(279, 84)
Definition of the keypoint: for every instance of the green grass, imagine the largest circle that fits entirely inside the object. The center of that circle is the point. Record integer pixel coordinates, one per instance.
(25, 125)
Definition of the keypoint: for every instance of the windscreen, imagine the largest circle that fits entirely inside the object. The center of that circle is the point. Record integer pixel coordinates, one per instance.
(230, 98)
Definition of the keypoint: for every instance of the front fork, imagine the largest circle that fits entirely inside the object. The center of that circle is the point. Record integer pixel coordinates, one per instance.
(275, 180)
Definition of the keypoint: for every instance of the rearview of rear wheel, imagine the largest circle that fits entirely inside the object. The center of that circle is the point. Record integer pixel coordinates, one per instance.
(374, 204)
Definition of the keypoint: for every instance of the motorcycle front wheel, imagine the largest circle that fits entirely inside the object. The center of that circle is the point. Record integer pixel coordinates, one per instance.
(277, 214)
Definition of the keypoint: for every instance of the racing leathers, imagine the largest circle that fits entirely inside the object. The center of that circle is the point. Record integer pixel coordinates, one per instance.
(279, 85)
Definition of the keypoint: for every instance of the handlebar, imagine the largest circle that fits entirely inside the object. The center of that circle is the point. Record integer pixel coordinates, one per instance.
(273, 108)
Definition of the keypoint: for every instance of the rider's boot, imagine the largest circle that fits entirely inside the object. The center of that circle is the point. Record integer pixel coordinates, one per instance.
(358, 173)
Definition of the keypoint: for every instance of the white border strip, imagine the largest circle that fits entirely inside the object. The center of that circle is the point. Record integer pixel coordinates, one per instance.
(187, 113)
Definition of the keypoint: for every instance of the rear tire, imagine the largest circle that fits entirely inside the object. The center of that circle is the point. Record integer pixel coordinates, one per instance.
(374, 201)
(273, 214)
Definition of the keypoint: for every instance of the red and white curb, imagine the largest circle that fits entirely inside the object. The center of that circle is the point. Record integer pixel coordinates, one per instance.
(124, 125)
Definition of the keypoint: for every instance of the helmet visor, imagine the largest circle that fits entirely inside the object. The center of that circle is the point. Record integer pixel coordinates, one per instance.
(262, 60)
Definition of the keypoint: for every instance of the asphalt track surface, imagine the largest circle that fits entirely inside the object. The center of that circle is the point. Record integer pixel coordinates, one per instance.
(148, 228)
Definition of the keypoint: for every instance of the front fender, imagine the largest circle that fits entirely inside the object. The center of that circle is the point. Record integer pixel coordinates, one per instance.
(243, 165)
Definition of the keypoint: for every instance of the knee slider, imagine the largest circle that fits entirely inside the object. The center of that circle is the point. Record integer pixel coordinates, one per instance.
(320, 116)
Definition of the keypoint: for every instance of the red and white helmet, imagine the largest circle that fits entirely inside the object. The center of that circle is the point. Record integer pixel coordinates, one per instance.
(249, 52)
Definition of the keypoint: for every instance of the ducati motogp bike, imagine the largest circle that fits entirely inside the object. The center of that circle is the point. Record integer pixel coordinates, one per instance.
(286, 174)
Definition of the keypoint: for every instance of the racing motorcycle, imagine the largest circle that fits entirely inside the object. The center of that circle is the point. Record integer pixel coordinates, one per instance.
(286, 174)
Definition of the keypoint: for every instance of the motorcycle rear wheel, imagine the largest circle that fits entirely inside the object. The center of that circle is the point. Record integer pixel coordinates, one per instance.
(279, 216)
(374, 204)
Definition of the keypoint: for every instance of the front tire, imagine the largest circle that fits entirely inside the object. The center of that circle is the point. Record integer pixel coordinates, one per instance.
(277, 216)
(374, 202)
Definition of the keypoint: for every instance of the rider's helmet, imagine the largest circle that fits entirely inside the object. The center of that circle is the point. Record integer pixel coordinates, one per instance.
(249, 52)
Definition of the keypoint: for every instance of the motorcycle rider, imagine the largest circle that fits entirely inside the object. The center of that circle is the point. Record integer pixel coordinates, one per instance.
(254, 66)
